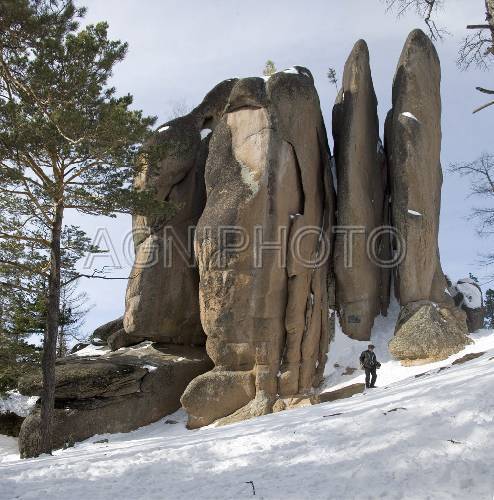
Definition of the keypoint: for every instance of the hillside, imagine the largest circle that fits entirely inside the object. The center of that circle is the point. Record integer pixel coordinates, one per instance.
(427, 434)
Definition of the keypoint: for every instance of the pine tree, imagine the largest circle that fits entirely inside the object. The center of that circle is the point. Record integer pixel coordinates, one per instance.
(67, 142)
(269, 68)
(489, 309)
(332, 77)
(473, 278)
(23, 315)
(73, 309)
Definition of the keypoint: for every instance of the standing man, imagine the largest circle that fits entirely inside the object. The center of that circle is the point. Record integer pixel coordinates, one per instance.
(369, 363)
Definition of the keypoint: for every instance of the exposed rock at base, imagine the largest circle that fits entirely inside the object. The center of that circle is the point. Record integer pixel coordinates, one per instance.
(162, 299)
(120, 339)
(343, 393)
(468, 357)
(10, 423)
(117, 392)
(475, 319)
(260, 405)
(267, 168)
(216, 394)
(362, 288)
(413, 147)
(294, 402)
(428, 331)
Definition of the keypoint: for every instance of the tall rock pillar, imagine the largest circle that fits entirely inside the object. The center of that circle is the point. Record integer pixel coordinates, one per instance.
(413, 148)
(362, 286)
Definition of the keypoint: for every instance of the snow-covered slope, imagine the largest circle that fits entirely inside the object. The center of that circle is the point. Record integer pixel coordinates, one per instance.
(418, 437)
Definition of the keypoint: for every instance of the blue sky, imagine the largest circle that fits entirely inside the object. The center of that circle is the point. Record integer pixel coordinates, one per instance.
(180, 49)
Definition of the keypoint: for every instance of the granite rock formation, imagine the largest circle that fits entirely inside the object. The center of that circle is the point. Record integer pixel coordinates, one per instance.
(162, 300)
(413, 148)
(428, 332)
(101, 335)
(266, 322)
(240, 324)
(362, 286)
(115, 392)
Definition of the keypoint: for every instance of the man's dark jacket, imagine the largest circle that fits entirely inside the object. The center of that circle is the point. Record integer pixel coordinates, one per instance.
(368, 359)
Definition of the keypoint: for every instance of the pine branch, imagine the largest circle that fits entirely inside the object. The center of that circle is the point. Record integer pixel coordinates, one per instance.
(41, 241)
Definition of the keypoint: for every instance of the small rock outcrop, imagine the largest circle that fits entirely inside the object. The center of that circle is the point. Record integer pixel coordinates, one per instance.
(101, 335)
(115, 392)
(413, 148)
(428, 332)
(263, 285)
(467, 295)
(362, 286)
(343, 393)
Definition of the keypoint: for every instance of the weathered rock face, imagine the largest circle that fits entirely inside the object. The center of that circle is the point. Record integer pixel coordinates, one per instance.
(427, 331)
(413, 146)
(10, 423)
(266, 177)
(475, 318)
(362, 287)
(116, 392)
(162, 301)
(102, 333)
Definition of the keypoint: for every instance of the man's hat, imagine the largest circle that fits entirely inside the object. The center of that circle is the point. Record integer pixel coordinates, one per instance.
(371, 346)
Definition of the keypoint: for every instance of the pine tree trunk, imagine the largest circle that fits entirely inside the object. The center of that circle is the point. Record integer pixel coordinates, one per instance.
(51, 334)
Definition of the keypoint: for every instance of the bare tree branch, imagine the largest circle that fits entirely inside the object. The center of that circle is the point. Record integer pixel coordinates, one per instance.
(424, 8)
(485, 91)
(481, 174)
(483, 107)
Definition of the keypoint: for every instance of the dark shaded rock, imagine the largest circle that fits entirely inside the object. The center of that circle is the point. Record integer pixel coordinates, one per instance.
(120, 339)
(80, 346)
(362, 286)
(10, 423)
(468, 357)
(343, 393)
(101, 441)
(118, 392)
(428, 331)
(475, 318)
(394, 410)
(101, 334)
